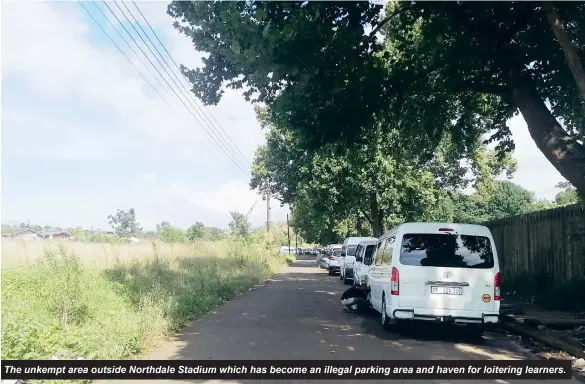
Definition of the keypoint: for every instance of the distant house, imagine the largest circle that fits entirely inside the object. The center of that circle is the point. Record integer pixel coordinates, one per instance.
(29, 234)
(98, 232)
(22, 234)
(53, 234)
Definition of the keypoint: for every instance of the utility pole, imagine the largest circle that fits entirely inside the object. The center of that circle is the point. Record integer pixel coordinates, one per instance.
(288, 232)
(267, 212)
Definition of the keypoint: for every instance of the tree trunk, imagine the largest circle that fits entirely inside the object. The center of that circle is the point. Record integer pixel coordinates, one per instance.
(566, 45)
(562, 150)
(377, 216)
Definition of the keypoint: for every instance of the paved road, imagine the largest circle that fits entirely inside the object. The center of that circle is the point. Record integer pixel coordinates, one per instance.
(298, 316)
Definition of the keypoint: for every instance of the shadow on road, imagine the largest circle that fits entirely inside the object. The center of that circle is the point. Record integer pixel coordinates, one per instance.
(419, 333)
(298, 316)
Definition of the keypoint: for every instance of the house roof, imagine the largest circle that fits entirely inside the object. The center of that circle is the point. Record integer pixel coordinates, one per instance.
(52, 232)
(18, 231)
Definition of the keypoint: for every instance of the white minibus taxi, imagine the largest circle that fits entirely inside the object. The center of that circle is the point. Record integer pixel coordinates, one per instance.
(440, 272)
(363, 260)
(347, 259)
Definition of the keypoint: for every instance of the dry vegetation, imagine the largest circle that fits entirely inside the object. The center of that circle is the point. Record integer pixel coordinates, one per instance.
(110, 301)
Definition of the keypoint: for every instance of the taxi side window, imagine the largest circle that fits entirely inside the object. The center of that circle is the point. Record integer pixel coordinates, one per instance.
(379, 252)
(388, 250)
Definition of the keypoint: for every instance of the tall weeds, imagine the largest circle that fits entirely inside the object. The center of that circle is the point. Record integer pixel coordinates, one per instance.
(110, 301)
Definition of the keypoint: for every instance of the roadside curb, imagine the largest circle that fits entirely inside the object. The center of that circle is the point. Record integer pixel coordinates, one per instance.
(546, 338)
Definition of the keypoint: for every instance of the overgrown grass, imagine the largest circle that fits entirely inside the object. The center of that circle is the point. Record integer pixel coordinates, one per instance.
(111, 301)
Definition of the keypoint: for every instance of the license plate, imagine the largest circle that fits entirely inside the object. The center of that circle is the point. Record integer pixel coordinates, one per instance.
(447, 291)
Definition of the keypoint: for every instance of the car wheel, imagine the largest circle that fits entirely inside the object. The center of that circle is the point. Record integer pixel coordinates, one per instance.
(345, 280)
(330, 272)
(386, 322)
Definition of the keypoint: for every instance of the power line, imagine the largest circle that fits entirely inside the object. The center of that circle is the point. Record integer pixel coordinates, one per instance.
(155, 68)
(132, 63)
(222, 145)
(204, 109)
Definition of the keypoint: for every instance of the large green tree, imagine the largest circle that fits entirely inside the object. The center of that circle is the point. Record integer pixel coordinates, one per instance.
(125, 223)
(464, 68)
(196, 231)
(240, 225)
(568, 194)
(338, 190)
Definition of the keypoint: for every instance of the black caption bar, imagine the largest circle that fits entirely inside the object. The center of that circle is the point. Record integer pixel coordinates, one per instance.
(284, 369)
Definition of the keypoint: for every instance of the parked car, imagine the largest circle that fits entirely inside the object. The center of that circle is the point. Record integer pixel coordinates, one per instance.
(363, 260)
(348, 257)
(447, 273)
(333, 254)
(321, 258)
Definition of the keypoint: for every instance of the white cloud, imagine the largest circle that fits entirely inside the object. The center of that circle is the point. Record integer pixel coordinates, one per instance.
(149, 178)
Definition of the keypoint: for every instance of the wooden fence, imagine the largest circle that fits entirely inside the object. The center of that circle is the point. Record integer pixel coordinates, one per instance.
(545, 243)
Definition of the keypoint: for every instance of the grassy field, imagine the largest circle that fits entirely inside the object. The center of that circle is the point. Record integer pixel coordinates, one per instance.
(111, 301)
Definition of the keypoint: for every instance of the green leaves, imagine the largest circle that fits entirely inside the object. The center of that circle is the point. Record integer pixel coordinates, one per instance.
(235, 47)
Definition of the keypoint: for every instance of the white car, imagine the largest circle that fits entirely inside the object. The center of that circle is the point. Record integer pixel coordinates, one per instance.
(348, 257)
(439, 272)
(333, 259)
(322, 259)
(363, 260)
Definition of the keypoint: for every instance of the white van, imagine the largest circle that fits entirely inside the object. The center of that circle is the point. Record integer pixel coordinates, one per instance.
(363, 259)
(447, 273)
(348, 256)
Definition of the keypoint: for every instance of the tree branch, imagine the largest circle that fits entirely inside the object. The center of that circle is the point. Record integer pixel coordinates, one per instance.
(388, 18)
(481, 87)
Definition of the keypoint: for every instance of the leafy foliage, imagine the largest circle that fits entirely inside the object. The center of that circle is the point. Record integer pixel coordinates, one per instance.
(170, 234)
(125, 224)
(460, 69)
(161, 226)
(240, 226)
(361, 189)
(568, 194)
(196, 231)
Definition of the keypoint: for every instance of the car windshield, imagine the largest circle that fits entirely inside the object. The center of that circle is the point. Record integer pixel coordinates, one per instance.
(337, 252)
(446, 250)
(351, 250)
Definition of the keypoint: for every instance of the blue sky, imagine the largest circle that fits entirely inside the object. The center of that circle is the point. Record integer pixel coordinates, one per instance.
(83, 135)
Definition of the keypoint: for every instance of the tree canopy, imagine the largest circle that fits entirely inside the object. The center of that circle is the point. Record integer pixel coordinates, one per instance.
(340, 190)
(240, 225)
(125, 223)
(425, 69)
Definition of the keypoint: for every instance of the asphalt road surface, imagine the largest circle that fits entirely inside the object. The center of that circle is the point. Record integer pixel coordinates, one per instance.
(298, 315)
